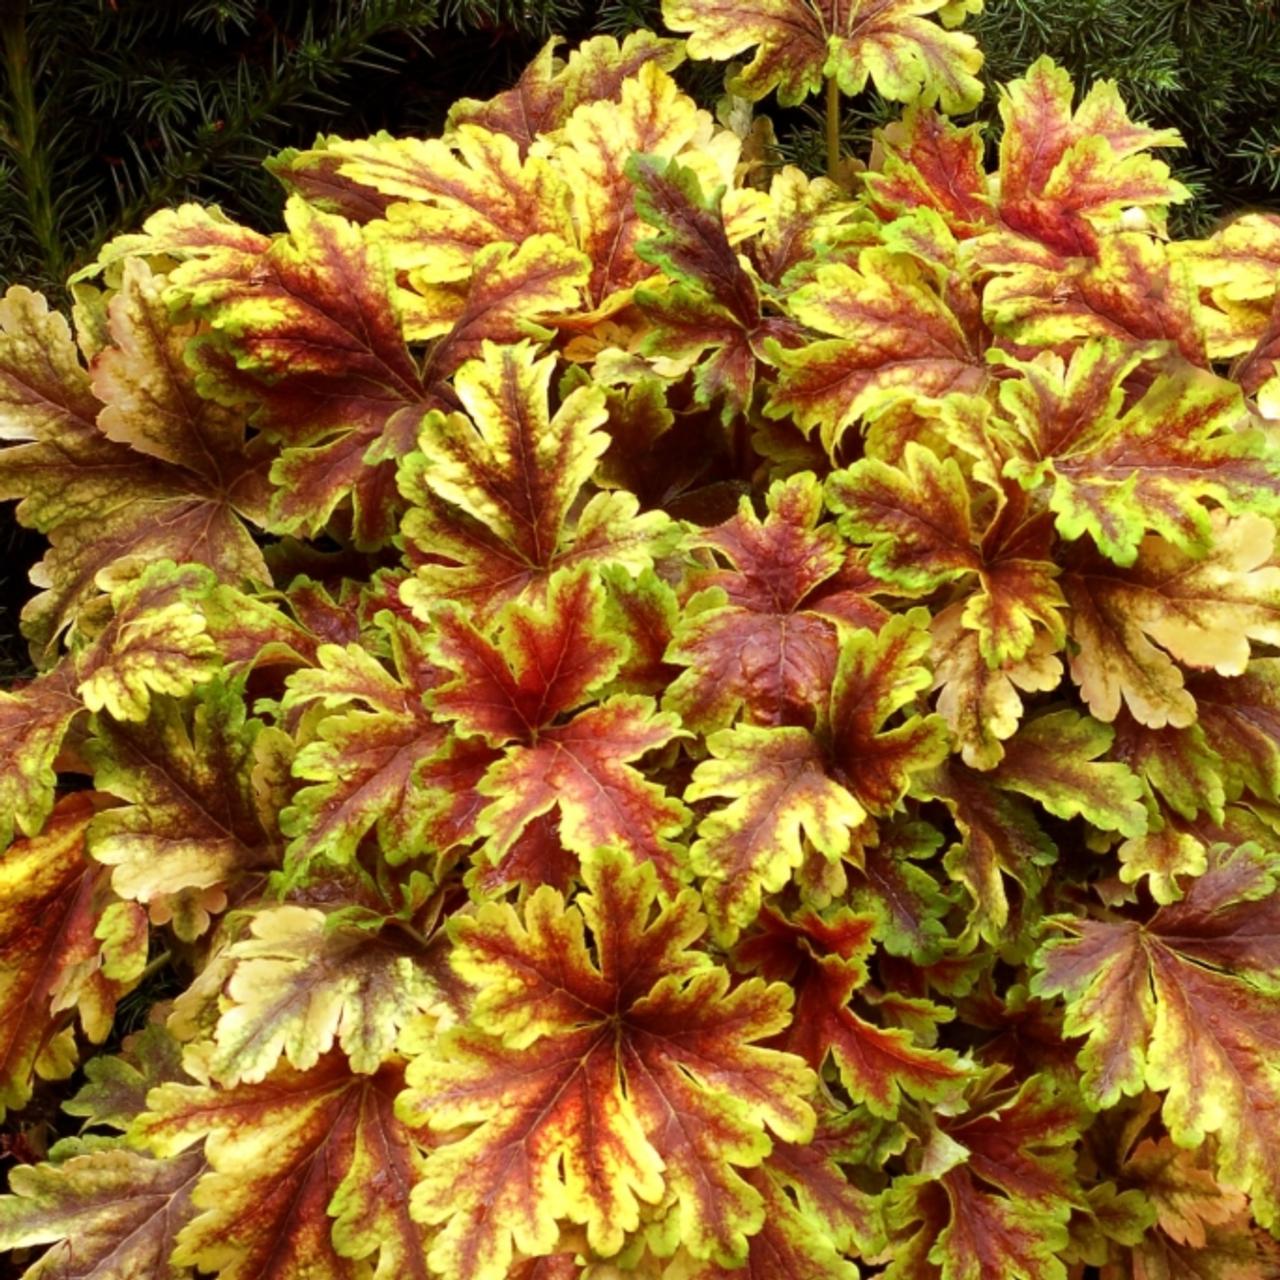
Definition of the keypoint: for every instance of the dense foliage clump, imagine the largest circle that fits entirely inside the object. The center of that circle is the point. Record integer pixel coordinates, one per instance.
(608, 709)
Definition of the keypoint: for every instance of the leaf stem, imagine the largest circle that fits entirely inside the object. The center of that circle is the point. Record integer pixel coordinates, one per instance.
(833, 129)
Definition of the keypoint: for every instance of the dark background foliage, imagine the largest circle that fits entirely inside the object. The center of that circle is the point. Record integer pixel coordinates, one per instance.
(113, 108)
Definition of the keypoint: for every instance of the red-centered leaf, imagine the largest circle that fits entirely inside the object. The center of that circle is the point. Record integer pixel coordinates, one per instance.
(595, 1082)
(824, 960)
(1186, 1005)
(492, 490)
(1061, 172)
(782, 800)
(34, 719)
(1118, 475)
(546, 662)
(512, 293)
(315, 337)
(893, 337)
(1240, 719)
(925, 161)
(308, 1171)
(1136, 628)
(712, 303)
(652, 117)
(379, 761)
(516, 694)
(876, 678)
(108, 1213)
(202, 788)
(548, 90)
(764, 645)
(799, 44)
(1134, 291)
(314, 174)
(140, 428)
(53, 902)
(813, 1214)
(454, 196)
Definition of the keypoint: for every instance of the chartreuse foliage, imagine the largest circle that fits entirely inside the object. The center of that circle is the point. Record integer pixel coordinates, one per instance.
(650, 717)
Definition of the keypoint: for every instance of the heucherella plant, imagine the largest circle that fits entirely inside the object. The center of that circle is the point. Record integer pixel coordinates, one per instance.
(604, 709)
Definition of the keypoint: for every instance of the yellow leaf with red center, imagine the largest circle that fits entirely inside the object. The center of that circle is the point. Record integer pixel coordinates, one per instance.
(711, 302)
(1240, 719)
(1117, 473)
(137, 426)
(878, 677)
(601, 1084)
(780, 797)
(762, 641)
(518, 695)
(296, 1164)
(824, 961)
(1134, 291)
(493, 490)
(814, 1216)
(1185, 1004)
(918, 521)
(894, 336)
(378, 762)
(54, 959)
(202, 786)
(550, 88)
(892, 43)
(998, 1196)
(454, 196)
(1136, 628)
(311, 338)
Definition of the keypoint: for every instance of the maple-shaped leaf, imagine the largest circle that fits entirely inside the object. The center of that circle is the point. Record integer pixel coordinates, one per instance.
(1134, 291)
(311, 338)
(1000, 1188)
(65, 945)
(454, 196)
(824, 960)
(1136, 628)
(711, 302)
(781, 796)
(593, 1083)
(762, 641)
(34, 719)
(378, 761)
(1064, 174)
(298, 983)
(814, 1215)
(894, 45)
(918, 519)
(877, 677)
(1186, 1197)
(1185, 1004)
(981, 704)
(297, 1167)
(1053, 759)
(893, 336)
(651, 117)
(108, 1212)
(807, 216)
(492, 490)
(549, 89)
(137, 426)
(1117, 474)
(517, 694)
(157, 641)
(202, 786)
